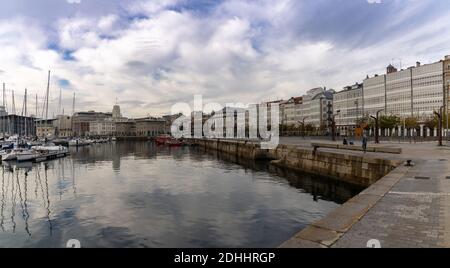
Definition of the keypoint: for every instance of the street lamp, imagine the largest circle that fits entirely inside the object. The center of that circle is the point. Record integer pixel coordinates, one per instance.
(377, 136)
(333, 124)
(303, 125)
(440, 116)
(446, 108)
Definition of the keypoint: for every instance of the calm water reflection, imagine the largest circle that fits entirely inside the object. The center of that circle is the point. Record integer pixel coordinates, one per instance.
(141, 195)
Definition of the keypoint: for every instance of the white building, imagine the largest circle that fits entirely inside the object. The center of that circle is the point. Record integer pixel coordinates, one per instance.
(104, 128)
(374, 91)
(107, 127)
(414, 92)
(428, 85)
(290, 111)
(349, 104)
(315, 108)
(63, 125)
(116, 112)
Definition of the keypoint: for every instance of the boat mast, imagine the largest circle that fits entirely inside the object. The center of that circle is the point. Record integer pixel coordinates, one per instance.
(4, 106)
(73, 104)
(13, 104)
(60, 100)
(46, 96)
(13, 112)
(24, 107)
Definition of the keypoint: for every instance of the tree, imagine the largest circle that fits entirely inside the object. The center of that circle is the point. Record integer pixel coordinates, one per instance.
(411, 122)
(431, 123)
(389, 121)
(310, 127)
(365, 122)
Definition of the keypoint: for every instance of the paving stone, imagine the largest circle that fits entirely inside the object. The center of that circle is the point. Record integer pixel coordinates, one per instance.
(319, 235)
(301, 243)
(398, 210)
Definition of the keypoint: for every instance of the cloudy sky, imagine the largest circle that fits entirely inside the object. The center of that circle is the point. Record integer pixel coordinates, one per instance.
(151, 54)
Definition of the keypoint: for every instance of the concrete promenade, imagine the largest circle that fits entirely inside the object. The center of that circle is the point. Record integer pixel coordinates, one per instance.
(410, 207)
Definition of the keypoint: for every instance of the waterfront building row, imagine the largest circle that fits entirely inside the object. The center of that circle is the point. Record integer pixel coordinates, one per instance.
(83, 124)
(417, 91)
(313, 108)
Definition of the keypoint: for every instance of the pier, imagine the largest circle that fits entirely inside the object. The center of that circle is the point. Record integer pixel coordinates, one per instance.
(402, 206)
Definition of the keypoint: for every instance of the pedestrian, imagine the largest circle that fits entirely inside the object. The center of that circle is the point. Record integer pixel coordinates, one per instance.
(345, 142)
(364, 143)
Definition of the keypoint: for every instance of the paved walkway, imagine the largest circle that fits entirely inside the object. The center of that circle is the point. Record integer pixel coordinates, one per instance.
(410, 207)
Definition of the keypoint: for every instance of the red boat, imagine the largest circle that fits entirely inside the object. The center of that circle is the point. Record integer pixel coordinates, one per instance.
(173, 143)
(162, 139)
(168, 140)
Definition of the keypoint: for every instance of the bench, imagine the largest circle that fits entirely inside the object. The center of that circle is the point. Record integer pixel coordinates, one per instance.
(388, 150)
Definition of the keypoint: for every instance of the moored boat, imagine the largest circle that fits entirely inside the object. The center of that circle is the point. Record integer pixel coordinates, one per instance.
(162, 139)
(174, 143)
(79, 142)
(11, 155)
(28, 155)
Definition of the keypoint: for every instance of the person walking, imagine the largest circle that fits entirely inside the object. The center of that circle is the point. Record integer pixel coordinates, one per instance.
(364, 143)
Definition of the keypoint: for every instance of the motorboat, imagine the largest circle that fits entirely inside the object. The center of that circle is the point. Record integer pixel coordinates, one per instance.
(174, 143)
(8, 146)
(26, 155)
(79, 142)
(63, 142)
(162, 139)
(11, 155)
(50, 148)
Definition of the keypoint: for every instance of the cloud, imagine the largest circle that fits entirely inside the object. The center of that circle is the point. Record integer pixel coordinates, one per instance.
(151, 54)
(74, 1)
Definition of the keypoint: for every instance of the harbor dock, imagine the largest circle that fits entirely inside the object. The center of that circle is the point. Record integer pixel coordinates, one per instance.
(406, 202)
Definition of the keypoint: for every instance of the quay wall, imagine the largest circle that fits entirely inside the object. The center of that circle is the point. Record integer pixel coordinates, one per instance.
(240, 149)
(359, 170)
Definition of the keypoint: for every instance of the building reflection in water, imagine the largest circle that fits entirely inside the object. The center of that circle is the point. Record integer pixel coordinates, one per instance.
(137, 193)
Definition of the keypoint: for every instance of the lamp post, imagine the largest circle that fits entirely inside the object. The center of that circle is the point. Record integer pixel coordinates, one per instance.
(333, 125)
(303, 125)
(377, 136)
(446, 111)
(440, 116)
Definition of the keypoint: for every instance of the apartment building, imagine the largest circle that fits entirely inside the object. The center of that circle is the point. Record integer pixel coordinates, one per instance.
(45, 128)
(150, 127)
(348, 105)
(315, 107)
(103, 128)
(414, 92)
(63, 125)
(374, 94)
(290, 111)
(81, 121)
(447, 80)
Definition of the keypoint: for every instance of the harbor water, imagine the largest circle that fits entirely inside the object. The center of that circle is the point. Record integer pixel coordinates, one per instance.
(138, 194)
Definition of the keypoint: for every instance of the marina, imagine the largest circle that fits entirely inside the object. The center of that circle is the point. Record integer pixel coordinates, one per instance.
(39, 151)
(137, 194)
(262, 125)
